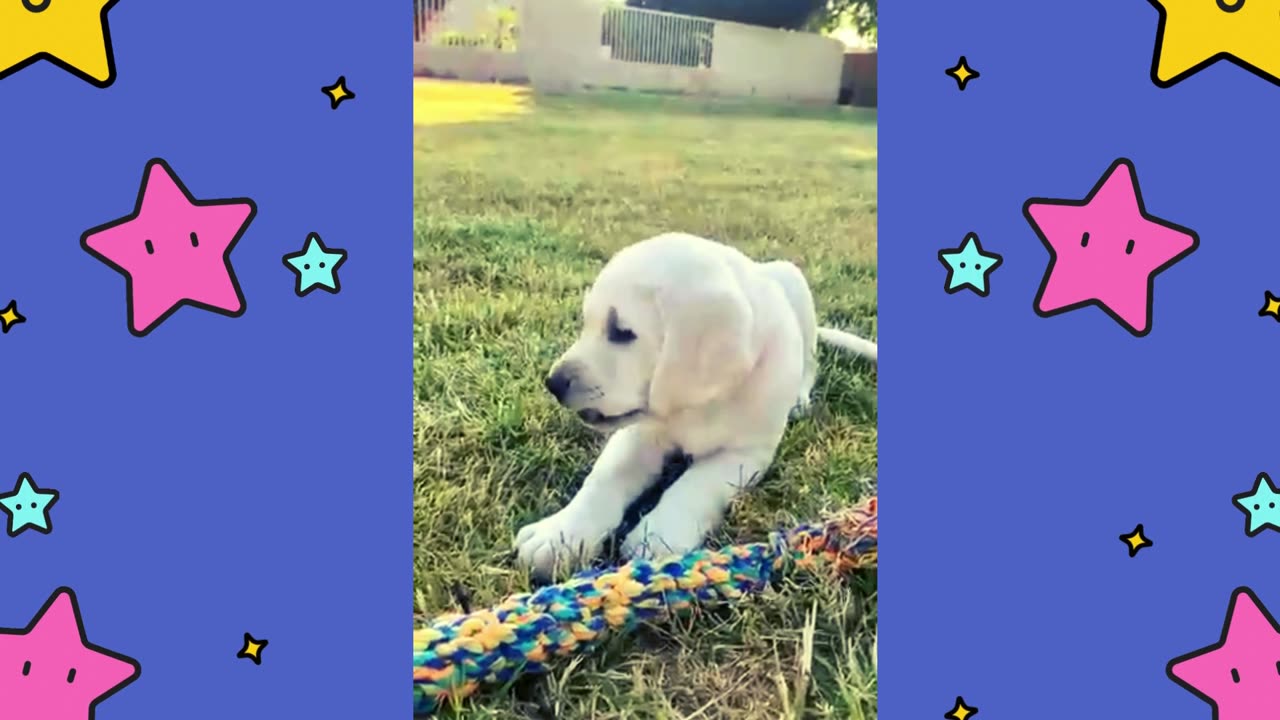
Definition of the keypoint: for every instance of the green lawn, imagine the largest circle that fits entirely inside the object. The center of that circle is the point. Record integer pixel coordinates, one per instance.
(518, 203)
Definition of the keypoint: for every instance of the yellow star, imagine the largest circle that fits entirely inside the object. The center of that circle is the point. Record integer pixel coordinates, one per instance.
(252, 649)
(1271, 307)
(71, 34)
(1194, 34)
(1136, 540)
(961, 711)
(9, 316)
(963, 73)
(338, 92)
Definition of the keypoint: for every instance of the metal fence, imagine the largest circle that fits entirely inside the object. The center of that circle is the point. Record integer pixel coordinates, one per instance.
(657, 38)
(425, 14)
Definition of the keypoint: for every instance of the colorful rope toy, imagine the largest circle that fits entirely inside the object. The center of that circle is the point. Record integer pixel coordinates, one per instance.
(457, 654)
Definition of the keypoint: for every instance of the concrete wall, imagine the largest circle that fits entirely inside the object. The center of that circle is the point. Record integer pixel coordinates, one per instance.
(561, 44)
(776, 64)
(561, 41)
(471, 64)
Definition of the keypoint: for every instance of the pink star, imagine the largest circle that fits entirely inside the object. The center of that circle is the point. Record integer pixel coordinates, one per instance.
(173, 250)
(1240, 675)
(50, 671)
(1106, 250)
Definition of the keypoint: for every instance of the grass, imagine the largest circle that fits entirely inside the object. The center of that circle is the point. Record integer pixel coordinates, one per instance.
(519, 201)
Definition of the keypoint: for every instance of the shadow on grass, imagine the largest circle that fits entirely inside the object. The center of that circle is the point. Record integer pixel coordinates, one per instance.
(680, 104)
(450, 102)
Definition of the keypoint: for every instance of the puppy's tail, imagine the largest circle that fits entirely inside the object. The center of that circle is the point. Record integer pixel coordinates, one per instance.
(848, 341)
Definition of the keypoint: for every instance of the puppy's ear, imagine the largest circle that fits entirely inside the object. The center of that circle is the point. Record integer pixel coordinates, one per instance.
(707, 344)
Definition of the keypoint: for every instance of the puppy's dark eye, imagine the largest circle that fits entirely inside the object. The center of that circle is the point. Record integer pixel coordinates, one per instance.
(620, 336)
(617, 334)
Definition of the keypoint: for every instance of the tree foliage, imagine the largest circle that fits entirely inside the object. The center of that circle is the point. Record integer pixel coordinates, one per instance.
(860, 14)
(786, 14)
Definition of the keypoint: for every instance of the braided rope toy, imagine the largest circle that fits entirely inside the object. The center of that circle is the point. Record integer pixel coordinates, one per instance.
(457, 654)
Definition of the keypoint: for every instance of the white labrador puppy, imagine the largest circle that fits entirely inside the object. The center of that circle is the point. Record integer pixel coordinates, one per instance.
(687, 345)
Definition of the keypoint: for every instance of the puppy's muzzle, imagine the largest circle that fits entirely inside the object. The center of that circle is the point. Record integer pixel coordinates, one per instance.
(558, 383)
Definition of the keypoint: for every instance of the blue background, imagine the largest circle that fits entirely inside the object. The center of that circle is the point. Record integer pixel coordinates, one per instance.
(220, 475)
(1016, 449)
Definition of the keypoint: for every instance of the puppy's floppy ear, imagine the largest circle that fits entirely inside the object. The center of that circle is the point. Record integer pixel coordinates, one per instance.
(707, 344)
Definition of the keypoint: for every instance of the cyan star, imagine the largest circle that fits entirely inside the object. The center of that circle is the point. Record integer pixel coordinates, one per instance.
(1260, 504)
(968, 266)
(28, 507)
(316, 266)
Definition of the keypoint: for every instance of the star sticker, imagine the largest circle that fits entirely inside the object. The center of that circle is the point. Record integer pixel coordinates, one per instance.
(173, 250)
(1136, 540)
(1271, 306)
(50, 670)
(1106, 250)
(963, 73)
(28, 507)
(316, 266)
(1194, 34)
(1237, 676)
(969, 266)
(252, 649)
(75, 37)
(960, 711)
(338, 92)
(1260, 505)
(9, 316)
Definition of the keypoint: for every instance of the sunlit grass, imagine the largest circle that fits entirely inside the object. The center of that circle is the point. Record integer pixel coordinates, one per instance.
(437, 102)
(514, 215)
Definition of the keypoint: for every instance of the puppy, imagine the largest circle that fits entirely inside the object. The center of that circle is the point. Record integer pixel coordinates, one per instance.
(687, 346)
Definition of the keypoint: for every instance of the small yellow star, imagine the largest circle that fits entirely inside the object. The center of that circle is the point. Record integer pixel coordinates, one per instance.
(338, 92)
(9, 316)
(1272, 307)
(963, 73)
(961, 711)
(252, 649)
(1136, 540)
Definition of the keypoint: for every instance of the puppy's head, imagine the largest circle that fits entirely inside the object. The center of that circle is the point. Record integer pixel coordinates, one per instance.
(666, 326)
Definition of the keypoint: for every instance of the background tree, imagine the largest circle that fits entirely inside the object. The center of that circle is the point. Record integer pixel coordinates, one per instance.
(785, 14)
(821, 15)
(861, 15)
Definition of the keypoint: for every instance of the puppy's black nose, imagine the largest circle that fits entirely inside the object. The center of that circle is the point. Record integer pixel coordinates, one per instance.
(558, 384)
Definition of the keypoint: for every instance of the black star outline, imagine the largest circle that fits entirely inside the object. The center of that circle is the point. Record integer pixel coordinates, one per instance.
(226, 255)
(1127, 164)
(55, 60)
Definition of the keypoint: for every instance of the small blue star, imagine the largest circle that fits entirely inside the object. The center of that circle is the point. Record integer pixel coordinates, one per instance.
(28, 507)
(1260, 505)
(316, 266)
(968, 266)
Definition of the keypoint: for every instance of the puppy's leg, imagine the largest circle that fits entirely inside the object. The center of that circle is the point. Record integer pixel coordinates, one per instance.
(800, 297)
(696, 503)
(630, 462)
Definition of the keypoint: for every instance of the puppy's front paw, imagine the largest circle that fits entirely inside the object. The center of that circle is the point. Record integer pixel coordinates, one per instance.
(657, 537)
(565, 538)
